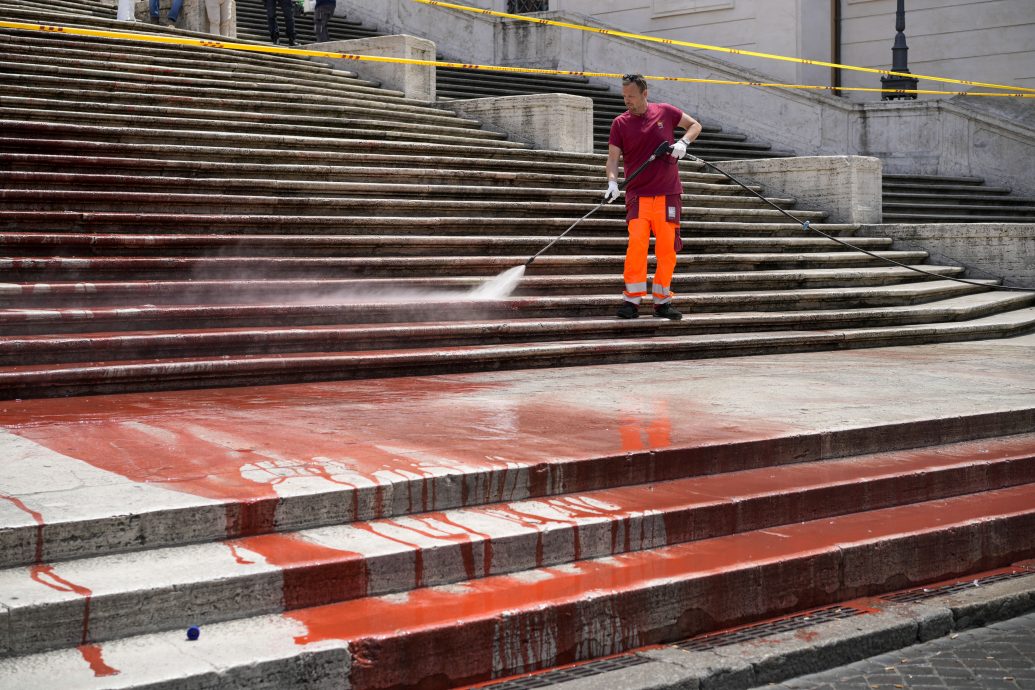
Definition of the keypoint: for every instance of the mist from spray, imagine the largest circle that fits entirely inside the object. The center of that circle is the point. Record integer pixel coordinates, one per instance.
(499, 287)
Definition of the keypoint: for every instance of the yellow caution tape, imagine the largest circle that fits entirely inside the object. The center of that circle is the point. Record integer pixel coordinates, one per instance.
(279, 50)
(720, 49)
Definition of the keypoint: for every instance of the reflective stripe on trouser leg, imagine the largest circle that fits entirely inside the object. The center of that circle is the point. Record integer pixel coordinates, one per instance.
(635, 274)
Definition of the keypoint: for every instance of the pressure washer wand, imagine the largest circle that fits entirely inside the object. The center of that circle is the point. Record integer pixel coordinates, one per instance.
(663, 148)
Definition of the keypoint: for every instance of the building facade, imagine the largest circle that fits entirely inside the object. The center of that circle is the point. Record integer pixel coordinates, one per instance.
(976, 40)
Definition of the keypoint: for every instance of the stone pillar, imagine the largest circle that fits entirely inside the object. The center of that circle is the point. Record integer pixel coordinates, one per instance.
(551, 121)
(415, 81)
(193, 16)
(849, 187)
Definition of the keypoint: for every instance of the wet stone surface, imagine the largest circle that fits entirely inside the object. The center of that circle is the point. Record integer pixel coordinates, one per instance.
(1000, 656)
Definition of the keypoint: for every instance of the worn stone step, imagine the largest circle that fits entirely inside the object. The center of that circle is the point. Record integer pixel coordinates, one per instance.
(943, 217)
(717, 195)
(931, 179)
(28, 169)
(185, 373)
(331, 564)
(94, 50)
(733, 297)
(152, 223)
(62, 320)
(938, 189)
(552, 276)
(746, 252)
(27, 72)
(204, 336)
(998, 207)
(448, 635)
(191, 119)
(183, 203)
(255, 286)
(1004, 199)
(255, 110)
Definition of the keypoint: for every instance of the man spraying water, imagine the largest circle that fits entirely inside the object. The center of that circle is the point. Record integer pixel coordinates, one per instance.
(653, 199)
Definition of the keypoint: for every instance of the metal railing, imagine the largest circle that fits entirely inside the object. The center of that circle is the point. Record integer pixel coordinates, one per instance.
(527, 6)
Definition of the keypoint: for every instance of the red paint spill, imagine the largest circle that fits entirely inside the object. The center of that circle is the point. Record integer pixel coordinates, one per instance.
(92, 654)
(418, 552)
(36, 516)
(313, 574)
(241, 560)
(408, 630)
(45, 575)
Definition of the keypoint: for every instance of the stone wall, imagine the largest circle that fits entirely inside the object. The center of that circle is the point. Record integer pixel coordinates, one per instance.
(934, 138)
(849, 187)
(986, 250)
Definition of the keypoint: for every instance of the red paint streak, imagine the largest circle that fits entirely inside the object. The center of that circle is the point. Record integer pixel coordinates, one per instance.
(35, 515)
(486, 541)
(313, 574)
(237, 556)
(92, 655)
(45, 575)
(418, 553)
(704, 571)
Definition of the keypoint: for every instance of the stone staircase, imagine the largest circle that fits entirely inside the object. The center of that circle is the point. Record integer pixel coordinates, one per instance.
(194, 217)
(943, 199)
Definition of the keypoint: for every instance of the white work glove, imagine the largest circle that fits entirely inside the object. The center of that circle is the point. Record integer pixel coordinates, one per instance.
(612, 191)
(678, 150)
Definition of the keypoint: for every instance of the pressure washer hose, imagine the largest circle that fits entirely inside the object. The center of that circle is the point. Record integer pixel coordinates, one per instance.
(807, 226)
(662, 150)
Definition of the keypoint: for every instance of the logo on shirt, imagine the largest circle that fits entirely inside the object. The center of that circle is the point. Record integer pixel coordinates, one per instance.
(661, 125)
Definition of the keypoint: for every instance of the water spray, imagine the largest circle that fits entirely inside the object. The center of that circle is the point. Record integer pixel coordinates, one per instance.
(503, 284)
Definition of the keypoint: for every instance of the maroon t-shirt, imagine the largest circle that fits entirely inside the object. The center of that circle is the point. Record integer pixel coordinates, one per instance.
(638, 136)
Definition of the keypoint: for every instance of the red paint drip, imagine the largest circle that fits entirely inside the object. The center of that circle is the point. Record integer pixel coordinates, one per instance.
(41, 573)
(35, 515)
(418, 552)
(92, 654)
(314, 574)
(241, 560)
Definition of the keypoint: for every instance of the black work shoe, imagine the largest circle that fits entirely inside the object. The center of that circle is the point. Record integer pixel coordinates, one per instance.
(628, 310)
(667, 311)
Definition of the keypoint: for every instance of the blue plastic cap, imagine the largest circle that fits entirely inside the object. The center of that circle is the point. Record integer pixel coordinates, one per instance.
(193, 632)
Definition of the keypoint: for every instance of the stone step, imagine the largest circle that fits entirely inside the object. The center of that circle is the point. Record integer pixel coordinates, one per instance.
(251, 22)
(94, 49)
(507, 624)
(715, 195)
(518, 319)
(903, 199)
(87, 170)
(748, 252)
(26, 71)
(552, 276)
(226, 371)
(356, 208)
(968, 208)
(326, 565)
(254, 286)
(548, 228)
(931, 179)
(269, 102)
(332, 110)
(947, 189)
(200, 71)
(42, 138)
(935, 217)
(75, 8)
(199, 337)
(171, 119)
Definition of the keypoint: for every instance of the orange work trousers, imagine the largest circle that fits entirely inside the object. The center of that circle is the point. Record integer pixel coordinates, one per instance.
(653, 217)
